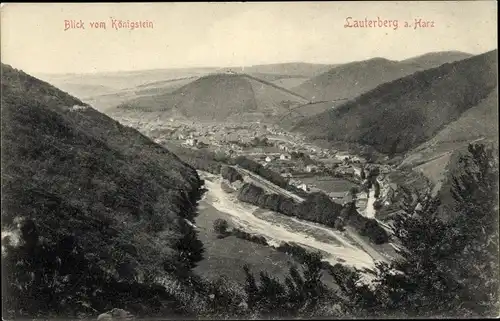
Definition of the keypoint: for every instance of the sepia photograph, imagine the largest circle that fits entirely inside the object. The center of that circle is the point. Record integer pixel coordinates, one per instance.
(249, 160)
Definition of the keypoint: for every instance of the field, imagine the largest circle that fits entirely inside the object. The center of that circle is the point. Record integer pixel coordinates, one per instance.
(228, 255)
(329, 184)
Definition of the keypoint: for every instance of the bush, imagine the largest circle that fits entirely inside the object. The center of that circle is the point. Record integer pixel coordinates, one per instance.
(339, 224)
(230, 174)
(376, 186)
(375, 232)
(258, 239)
(221, 226)
(377, 205)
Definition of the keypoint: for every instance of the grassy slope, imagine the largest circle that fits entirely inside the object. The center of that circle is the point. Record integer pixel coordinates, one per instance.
(353, 79)
(219, 96)
(82, 173)
(400, 115)
(476, 124)
(228, 255)
(290, 83)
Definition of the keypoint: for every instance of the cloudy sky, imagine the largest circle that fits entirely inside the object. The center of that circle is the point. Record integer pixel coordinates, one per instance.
(235, 34)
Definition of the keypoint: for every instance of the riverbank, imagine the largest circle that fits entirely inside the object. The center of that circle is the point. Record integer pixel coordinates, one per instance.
(281, 228)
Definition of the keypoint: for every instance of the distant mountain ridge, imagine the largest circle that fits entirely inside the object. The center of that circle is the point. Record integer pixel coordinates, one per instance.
(353, 79)
(398, 116)
(290, 69)
(221, 96)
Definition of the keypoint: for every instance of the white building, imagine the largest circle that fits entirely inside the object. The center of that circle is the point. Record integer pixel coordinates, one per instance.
(304, 187)
(285, 157)
(357, 171)
(341, 156)
(311, 168)
(191, 142)
(268, 159)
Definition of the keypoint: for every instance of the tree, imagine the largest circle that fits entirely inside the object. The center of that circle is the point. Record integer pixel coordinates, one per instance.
(189, 249)
(362, 174)
(447, 268)
(376, 187)
(221, 226)
(474, 190)
(419, 283)
(299, 295)
(354, 192)
(339, 224)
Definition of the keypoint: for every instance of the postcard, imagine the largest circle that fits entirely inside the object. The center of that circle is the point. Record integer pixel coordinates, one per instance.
(249, 160)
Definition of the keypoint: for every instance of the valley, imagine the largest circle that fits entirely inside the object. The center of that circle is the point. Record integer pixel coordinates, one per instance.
(293, 189)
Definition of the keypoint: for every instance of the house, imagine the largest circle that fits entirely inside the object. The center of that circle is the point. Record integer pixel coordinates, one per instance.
(341, 156)
(304, 187)
(191, 142)
(268, 159)
(311, 168)
(283, 147)
(285, 157)
(286, 175)
(357, 171)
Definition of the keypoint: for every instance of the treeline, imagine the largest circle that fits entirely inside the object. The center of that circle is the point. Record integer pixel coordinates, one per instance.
(318, 208)
(260, 170)
(201, 159)
(213, 162)
(365, 226)
(299, 253)
(258, 239)
(231, 174)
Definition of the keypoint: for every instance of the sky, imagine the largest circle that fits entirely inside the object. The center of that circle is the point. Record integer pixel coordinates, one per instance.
(235, 34)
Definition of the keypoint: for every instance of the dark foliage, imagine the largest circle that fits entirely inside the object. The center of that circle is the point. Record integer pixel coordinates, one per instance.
(220, 227)
(98, 204)
(260, 170)
(54, 279)
(231, 174)
(318, 208)
(299, 295)
(201, 159)
(400, 115)
(258, 239)
(365, 226)
(445, 268)
(376, 187)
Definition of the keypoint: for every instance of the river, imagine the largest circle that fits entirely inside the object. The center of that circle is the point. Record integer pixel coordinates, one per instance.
(370, 210)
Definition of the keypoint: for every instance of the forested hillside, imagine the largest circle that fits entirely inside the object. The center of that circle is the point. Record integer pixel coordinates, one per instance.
(398, 116)
(94, 211)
